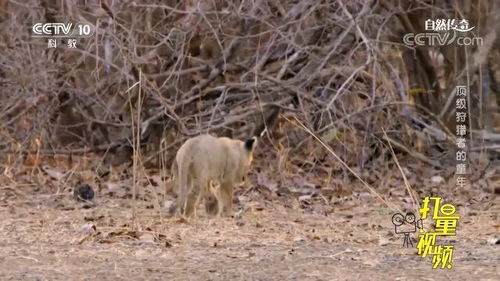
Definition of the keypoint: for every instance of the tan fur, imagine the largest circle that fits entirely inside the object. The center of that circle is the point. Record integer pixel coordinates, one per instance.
(203, 160)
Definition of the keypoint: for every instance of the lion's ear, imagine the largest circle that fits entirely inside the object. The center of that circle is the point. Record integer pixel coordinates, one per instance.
(250, 144)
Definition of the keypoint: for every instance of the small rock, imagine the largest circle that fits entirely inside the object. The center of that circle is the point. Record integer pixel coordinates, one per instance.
(365, 196)
(407, 200)
(168, 204)
(383, 241)
(115, 190)
(494, 241)
(406, 171)
(437, 179)
(168, 244)
(83, 192)
(299, 238)
(147, 238)
(305, 197)
(87, 229)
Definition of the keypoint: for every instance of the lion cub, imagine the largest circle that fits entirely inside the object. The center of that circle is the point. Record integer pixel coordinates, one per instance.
(203, 160)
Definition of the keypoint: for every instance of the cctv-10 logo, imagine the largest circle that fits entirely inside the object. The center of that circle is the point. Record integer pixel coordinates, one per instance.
(62, 30)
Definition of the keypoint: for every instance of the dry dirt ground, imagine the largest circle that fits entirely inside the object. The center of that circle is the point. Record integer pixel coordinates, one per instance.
(45, 236)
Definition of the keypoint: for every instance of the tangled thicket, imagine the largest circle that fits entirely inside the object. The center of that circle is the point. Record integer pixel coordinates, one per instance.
(160, 71)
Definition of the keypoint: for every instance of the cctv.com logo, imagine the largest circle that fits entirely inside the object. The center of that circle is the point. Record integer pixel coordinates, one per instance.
(440, 39)
(447, 32)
